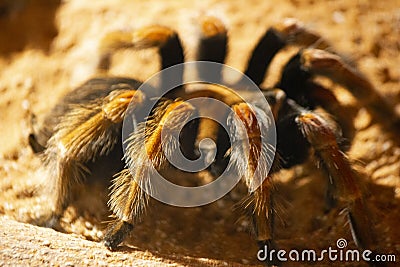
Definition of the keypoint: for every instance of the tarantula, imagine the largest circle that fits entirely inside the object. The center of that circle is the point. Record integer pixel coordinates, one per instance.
(82, 134)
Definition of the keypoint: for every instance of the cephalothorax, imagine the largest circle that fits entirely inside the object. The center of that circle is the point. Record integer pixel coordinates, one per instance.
(84, 130)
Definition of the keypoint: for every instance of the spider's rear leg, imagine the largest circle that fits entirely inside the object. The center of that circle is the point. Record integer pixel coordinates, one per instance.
(253, 157)
(321, 62)
(163, 38)
(212, 47)
(288, 32)
(295, 32)
(148, 148)
(87, 132)
(342, 177)
(91, 91)
(266, 49)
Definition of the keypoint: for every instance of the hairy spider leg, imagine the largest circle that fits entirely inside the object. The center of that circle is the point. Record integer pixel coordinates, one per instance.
(251, 156)
(295, 32)
(300, 130)
(288, 32)
(86, 132)
(266, 49)
(146, 151)
(343, 180)
(320, 62)
(92, 90)
(165, 39)
(212, 48)
(298, 84)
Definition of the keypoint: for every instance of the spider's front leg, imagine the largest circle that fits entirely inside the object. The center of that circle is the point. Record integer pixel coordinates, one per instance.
(321, 62)
(147, 152)
(343, 180)
(252, 156)
(84, 133)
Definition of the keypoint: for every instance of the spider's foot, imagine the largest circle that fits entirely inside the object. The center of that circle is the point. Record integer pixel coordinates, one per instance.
(267, 252)
(116, 233)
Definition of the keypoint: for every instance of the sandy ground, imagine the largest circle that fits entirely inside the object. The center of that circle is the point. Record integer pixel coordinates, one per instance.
(48, 48)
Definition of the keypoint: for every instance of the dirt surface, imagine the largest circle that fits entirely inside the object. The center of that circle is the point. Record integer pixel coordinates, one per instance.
(48, 48)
